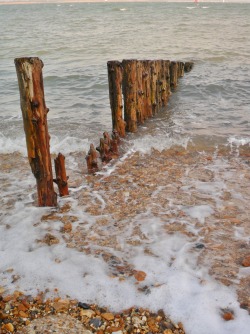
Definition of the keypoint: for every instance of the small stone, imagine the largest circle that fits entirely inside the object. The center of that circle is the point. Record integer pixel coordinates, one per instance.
(153, 325)
(23, 314)
(246, 261)
(108, 316)
(139, 275)
(95, 322)
(3, 315)
(199, 245)
(9, 327)
(136, 321)
(61, 305)
(7, 307)
(87, 313)
(22, 307)
(117, 332)
(167, 331)
(83, 305)
(228, 316)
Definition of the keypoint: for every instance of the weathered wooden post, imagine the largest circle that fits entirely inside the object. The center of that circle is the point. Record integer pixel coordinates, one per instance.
(167, 76)
(61, 178)
(164, 93)
(146, 73)
(158, 84)
(104, 150)
(34, 111)
(129, 94)
(180, 69)
(139, 94)
(173, 75)
(153, 86)
(188, 66)
(114, 142)
(115, 96)
(92, 160)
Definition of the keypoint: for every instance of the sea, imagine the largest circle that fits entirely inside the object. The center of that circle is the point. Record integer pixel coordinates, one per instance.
(209, 109)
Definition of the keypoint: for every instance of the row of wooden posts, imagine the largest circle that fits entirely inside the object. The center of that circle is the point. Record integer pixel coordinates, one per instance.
(137, 91)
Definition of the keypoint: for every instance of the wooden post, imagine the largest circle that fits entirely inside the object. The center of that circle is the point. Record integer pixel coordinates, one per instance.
(164, 92)
(180, 69)
(104, 150)
(158, 84)
(61, 177)
(167, 76)
(153, 86)
(115, 136)
(34, 111)
(173, 75)
(139, 94)
(146, 89)
(129, 94)
(92, 160)
(188, 66)
(114, 142)
(115, 96)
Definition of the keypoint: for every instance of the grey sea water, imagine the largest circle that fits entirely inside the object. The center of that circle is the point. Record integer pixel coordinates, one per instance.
(75, 41)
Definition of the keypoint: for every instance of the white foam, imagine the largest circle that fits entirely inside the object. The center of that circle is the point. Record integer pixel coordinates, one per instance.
(160, 142)
(199, 212)
(68, 145)
(238, 141)
(10, 145)
(175, 280)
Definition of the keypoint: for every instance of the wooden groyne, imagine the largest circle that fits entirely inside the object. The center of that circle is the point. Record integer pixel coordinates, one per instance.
(138, 90)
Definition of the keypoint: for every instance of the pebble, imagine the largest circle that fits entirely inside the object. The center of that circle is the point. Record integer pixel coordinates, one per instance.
(199, 246)
(8, 327)
(87, 313)
(108, 316)
(228, 316)
(83, 305)
(61, 305)
(246, 261)
(21, 314)
(95, 322)
(139, 275)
